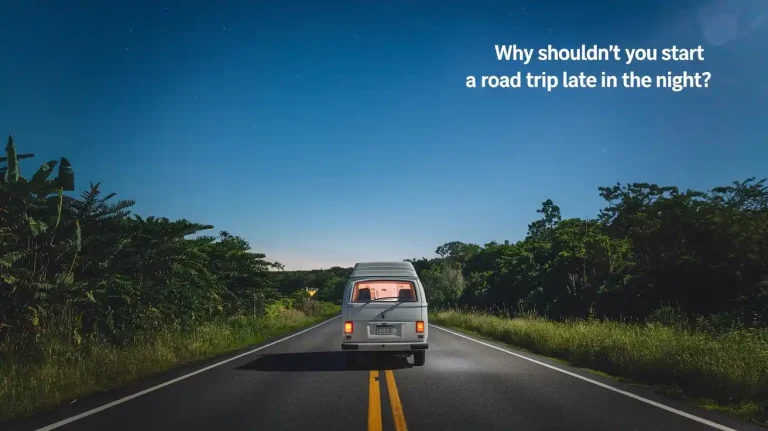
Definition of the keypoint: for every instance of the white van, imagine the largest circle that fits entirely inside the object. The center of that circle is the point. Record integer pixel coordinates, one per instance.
(384, 309)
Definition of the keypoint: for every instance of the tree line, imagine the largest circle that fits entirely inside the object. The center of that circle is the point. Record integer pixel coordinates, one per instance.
(330, 283)
(118, 273)
(651, 250)
(699, 253)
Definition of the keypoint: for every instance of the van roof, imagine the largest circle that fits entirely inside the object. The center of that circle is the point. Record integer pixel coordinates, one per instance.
(383, 269)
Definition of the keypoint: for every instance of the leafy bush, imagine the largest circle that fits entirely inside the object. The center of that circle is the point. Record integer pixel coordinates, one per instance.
(122, 274)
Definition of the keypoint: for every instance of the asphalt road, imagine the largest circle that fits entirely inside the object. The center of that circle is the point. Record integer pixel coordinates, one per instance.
(302, 383)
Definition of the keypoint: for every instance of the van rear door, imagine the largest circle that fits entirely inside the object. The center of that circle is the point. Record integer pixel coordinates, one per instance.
(384, 310)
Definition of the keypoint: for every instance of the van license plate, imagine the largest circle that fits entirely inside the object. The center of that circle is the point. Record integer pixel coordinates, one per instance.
(383, 330)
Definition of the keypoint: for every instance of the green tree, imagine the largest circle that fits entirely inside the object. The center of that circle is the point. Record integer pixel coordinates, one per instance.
(443, 285)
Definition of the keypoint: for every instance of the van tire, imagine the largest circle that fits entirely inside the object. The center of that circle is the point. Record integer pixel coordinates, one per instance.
(419, 358)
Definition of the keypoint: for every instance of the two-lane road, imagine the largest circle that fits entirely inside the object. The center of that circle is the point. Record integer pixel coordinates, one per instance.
(302, 383)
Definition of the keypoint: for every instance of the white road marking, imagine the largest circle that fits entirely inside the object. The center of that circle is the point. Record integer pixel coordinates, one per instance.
(594, 382)
(170, 382)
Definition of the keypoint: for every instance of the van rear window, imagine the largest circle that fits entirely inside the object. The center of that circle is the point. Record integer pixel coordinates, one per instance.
(383, 290)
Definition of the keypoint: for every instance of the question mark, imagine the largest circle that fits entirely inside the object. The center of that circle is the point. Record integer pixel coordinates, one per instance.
(707, 76)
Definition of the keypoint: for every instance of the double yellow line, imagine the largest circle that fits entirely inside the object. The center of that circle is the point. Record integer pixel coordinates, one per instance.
(374, 402)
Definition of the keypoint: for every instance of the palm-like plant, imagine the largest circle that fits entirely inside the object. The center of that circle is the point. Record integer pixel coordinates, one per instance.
(34, 263)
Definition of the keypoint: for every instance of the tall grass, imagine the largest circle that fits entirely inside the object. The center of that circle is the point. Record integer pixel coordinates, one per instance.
(726, 370)
(61, 366)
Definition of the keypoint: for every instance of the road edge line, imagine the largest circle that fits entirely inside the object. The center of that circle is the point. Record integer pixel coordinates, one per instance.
(177, 379)
(595, 382)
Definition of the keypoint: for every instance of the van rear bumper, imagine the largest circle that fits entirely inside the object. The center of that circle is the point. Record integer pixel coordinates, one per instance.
(385, 347)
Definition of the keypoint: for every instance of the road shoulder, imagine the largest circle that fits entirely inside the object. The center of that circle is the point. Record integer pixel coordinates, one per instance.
(44, 418)
(601, 379)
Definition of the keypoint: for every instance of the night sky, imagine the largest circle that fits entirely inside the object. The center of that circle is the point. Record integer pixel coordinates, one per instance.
(327, 133)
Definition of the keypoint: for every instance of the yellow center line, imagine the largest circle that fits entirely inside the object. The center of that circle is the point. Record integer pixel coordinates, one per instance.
(394, 402)
(374, 402)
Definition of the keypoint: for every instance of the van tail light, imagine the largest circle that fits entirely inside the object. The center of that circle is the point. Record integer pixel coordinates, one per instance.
(347, 327)
(420, 326)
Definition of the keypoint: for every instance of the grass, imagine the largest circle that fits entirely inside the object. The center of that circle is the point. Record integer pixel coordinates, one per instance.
(726, 371)
(69, 369)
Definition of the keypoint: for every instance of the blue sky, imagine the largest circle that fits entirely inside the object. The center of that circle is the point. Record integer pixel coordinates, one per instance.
(327, 133)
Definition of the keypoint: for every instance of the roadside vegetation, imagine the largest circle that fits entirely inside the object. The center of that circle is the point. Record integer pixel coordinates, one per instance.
(67, 368)
(664, 287)
(330, 283)
(93, 297)
(724, 370)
